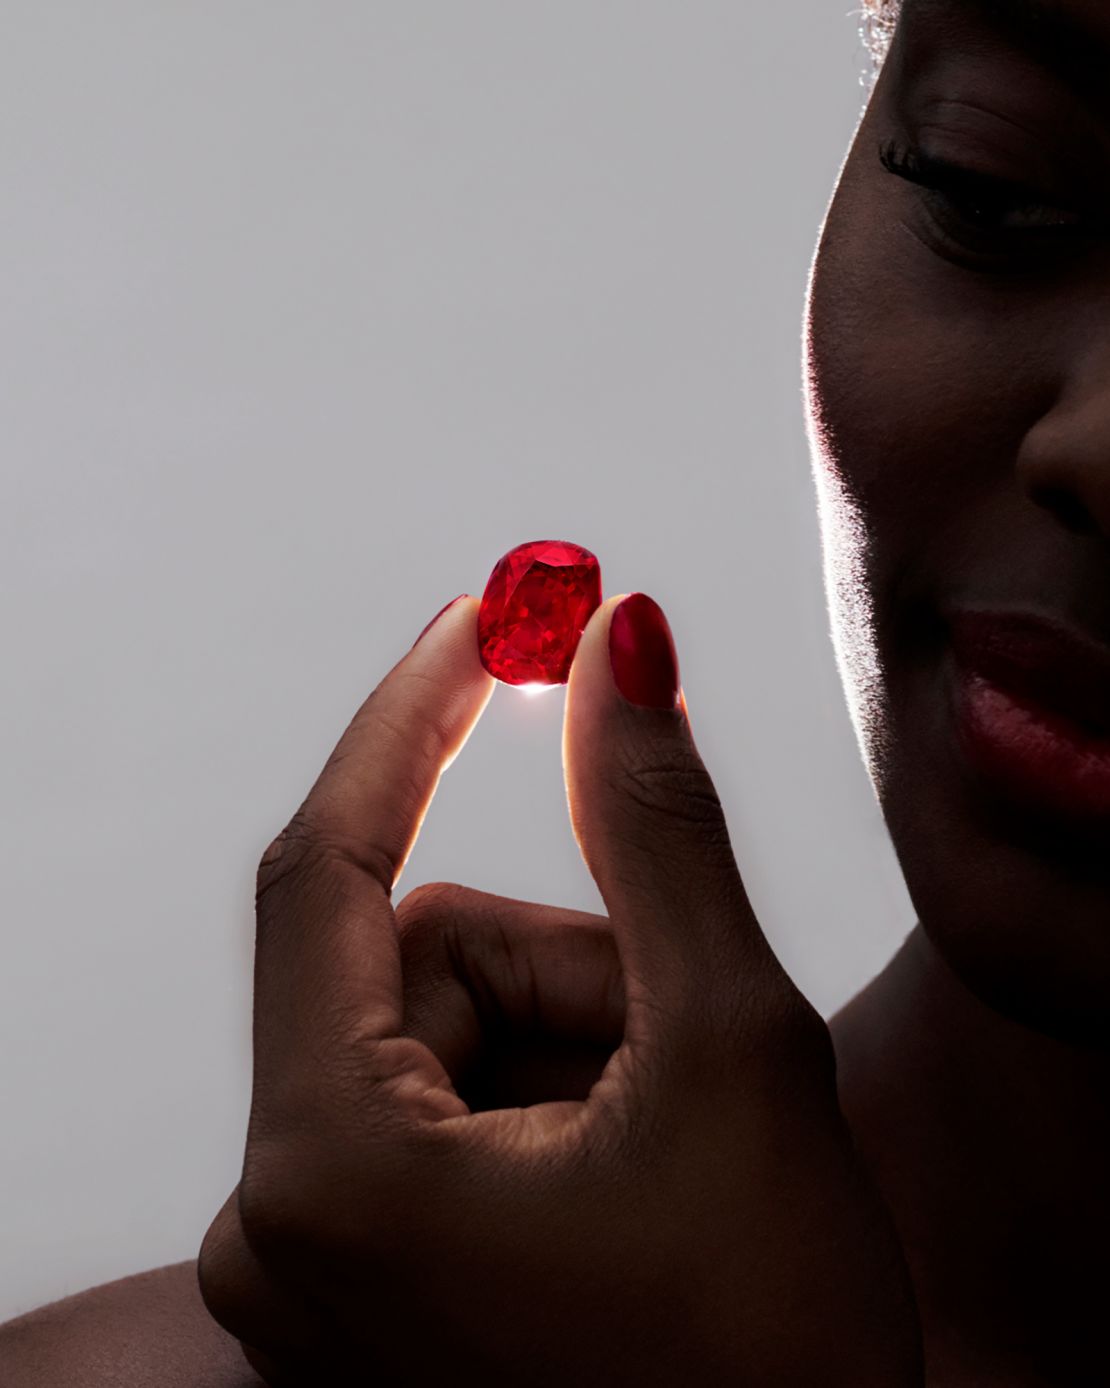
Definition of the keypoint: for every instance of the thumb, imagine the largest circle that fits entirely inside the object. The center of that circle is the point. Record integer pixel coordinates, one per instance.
(698, 970)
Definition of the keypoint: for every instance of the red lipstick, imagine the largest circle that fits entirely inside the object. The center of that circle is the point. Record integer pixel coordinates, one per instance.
(1032, 702)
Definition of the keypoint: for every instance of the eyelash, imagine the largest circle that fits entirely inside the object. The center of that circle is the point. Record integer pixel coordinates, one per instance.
(963, 190)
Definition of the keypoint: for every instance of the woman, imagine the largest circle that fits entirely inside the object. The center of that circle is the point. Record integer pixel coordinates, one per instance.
(708, 1184)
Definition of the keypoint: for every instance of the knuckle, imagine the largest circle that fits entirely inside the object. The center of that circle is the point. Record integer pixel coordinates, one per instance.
(282, 1215)
(304, 854)
(429, 905)
(426, 926)
(385, 1064)
(217, 1260)
(288, 855)
(354, 1088)
(673, 784)
(241, 1295)
(306, 1201)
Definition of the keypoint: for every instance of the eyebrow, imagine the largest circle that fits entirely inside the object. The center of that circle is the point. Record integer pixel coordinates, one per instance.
(1065, 43)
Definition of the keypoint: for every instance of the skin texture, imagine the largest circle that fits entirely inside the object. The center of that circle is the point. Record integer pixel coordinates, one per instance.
(960, 418)
(151, 1329)
(1000, 497)
(960, 423)
(392, 1220)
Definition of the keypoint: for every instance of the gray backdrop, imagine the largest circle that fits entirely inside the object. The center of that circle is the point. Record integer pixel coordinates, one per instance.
(309, 312)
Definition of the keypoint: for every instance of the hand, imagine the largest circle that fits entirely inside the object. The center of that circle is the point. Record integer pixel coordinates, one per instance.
(680, 1204)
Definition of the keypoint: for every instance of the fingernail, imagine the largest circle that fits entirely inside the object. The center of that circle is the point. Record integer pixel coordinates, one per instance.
(436, 618)
(642, 654)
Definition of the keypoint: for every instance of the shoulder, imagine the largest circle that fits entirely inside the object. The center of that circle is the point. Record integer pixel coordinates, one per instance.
(149, 1330)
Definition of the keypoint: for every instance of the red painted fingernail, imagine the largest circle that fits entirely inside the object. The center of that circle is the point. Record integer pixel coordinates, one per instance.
(642, 654)
(436, 618)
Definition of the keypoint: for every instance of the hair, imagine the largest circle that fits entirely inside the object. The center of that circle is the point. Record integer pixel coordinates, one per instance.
(878, 19)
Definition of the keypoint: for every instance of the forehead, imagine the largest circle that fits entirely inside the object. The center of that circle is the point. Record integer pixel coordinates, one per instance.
(1063, 28)
(1070, 39)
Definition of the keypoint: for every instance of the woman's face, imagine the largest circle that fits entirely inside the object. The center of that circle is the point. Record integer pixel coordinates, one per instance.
(958, 399)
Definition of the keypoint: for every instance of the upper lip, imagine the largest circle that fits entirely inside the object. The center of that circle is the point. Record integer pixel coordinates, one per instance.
(1047, 661)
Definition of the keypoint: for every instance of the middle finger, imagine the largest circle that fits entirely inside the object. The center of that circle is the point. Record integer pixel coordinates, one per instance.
(476, 966)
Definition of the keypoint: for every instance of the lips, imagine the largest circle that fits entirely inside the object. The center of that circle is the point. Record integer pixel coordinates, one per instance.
(1047, 663)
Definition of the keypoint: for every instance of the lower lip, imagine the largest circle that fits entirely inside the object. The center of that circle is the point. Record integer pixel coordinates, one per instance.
(1034, 756)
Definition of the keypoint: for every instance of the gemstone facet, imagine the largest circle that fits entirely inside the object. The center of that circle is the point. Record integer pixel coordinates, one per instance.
(538, 600)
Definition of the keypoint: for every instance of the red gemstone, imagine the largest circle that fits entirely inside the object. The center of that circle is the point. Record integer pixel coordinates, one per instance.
(537, 601)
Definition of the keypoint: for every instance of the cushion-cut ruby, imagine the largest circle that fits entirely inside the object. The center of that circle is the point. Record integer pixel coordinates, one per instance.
(537, 601)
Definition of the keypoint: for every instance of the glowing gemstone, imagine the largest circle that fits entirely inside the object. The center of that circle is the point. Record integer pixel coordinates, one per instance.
(537, 602)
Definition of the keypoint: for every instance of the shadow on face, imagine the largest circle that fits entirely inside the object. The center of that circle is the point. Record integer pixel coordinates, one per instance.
(957, 362)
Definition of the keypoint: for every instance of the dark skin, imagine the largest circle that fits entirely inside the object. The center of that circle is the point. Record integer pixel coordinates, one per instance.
(959, 386)
(961, 427)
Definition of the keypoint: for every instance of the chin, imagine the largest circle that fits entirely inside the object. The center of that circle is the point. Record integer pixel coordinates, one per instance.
(1019, 909)
(1046, 989)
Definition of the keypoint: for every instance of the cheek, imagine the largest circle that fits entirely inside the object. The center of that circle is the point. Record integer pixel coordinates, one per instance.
(922, 377)
(922, 381)
(895, 385)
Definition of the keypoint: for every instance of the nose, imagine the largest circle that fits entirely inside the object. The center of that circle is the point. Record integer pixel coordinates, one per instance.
(1064, 462)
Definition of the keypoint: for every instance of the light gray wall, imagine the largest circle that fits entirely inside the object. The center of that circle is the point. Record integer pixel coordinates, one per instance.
(309, 312)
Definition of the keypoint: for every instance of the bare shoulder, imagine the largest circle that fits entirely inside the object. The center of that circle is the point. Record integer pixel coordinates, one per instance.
(149, 1330)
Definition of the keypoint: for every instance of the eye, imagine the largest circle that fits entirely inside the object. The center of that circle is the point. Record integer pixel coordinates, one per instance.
(981, 204)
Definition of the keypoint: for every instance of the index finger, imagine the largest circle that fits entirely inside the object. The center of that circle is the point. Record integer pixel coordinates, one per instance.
(368, 802)
(326, 950)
